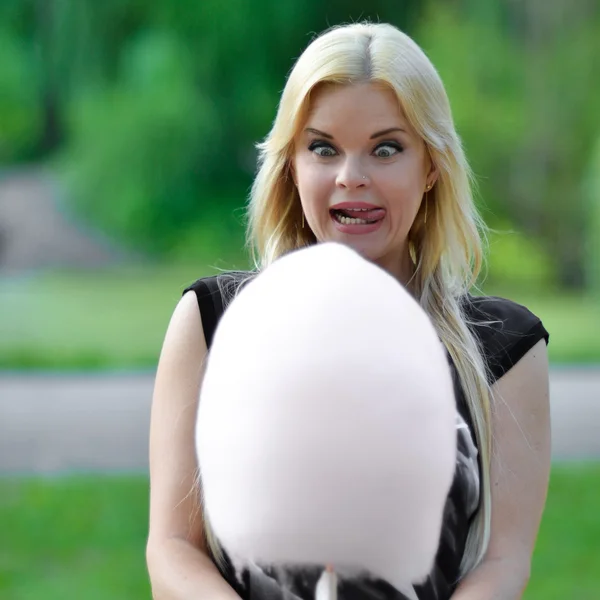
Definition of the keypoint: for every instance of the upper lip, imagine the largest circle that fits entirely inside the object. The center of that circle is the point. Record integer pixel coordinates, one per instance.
(350, 205)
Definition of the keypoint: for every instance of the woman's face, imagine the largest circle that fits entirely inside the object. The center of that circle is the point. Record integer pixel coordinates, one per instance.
(361, 172)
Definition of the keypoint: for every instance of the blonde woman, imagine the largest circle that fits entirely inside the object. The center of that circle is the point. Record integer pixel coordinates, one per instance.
(363, 151)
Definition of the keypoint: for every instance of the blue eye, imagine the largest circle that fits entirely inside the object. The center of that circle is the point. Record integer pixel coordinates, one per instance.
(322, 149)
(387, 150)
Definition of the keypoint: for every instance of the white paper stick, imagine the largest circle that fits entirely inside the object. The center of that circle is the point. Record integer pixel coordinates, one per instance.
(327, 586)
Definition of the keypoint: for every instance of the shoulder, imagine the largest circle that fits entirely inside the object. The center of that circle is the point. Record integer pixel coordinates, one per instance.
(213, 294)
(220, 284)
(505, 329)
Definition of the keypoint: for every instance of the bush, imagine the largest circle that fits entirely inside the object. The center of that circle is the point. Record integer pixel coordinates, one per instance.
(20, 118)
(135, 164)
(516, 261)
(592, 192)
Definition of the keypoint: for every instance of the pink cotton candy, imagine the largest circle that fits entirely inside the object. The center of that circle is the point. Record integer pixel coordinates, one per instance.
(326, 425)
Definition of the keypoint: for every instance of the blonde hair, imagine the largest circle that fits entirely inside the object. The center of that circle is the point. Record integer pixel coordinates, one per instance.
(447, 250)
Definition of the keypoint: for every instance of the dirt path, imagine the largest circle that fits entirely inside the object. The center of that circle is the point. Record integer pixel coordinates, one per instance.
(54, 423)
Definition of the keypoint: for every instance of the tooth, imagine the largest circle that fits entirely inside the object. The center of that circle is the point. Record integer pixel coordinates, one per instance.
(351, 221)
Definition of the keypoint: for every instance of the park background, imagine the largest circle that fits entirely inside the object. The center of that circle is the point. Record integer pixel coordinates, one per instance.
(127, 148)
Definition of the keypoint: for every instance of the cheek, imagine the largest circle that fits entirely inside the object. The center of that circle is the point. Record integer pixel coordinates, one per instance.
(312, 180)
(402, 187)
(396, 192)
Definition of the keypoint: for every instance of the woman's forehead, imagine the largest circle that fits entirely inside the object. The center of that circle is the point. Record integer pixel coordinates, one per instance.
(340, 105)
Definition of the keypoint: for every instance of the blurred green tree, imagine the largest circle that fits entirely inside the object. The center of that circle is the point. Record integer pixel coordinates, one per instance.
(522, 85)
(592, 196)
(20, 122)
(165, 141)
(152, 109)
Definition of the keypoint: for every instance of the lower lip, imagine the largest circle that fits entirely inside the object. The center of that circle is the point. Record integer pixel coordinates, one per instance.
(356, 228)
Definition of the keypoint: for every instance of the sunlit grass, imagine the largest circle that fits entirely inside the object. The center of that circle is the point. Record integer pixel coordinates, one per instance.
(118, 318)
(84, 537)
(112, 319)
(74, 538)
(573, 322)
(567, 558)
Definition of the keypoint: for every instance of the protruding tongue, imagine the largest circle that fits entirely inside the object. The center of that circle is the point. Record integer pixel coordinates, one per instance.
(368, 215)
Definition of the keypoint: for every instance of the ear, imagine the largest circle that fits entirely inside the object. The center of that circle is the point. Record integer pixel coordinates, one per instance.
(433, 174)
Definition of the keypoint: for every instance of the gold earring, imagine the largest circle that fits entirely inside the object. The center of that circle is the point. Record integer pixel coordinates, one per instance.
(429, 186)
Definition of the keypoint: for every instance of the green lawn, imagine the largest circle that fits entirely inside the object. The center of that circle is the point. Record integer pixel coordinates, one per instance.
(573, 322)
(117, 319)
(84, 537)
(113, 319)
(567, 558)
(75, 538)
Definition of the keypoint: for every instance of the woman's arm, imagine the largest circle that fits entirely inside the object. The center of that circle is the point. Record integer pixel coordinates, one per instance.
(519, 479)
(177, 556)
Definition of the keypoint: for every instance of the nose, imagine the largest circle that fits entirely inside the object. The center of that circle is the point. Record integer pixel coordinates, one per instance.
(351, 175)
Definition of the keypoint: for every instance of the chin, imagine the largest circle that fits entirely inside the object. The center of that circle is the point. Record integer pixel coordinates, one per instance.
(377, 253)
(369, 251)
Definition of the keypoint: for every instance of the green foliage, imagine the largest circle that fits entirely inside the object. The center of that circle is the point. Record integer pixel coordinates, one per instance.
(20, 118)
(137, 158)
(166, 144)
(156, 107)
(592, 197)
(518, 260)
(216, 233)
(523, 91)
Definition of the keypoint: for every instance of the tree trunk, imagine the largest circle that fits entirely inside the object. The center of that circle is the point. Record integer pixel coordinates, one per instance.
(52, 133)
(571, 270)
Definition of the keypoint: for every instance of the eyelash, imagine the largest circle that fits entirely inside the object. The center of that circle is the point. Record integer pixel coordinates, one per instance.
(321, 144)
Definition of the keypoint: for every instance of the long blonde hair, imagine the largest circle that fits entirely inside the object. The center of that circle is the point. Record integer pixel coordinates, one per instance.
(447, 249)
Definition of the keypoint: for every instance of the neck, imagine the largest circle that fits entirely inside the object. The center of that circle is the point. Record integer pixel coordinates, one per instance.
(401, 269)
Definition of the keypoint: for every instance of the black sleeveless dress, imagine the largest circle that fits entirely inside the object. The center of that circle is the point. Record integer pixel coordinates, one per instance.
(507, 331)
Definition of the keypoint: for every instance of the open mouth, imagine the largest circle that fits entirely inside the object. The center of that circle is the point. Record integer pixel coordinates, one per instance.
(358, 216)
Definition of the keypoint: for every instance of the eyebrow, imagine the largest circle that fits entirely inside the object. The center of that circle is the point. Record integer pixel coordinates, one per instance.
(375, 135)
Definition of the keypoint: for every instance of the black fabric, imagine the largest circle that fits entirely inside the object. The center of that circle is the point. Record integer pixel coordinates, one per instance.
(213, 294)
(506, 331)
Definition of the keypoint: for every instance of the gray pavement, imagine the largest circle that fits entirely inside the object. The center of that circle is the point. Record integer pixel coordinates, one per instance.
(53, 423)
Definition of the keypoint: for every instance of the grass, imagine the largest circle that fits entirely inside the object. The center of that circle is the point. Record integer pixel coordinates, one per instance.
(73, 538)
(112, 319)
(84, 537)
(117, 319)
(567, 558)
(573, 322)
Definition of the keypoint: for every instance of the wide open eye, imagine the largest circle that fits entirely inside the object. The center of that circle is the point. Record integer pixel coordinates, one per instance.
(387, 150)
(322, 149)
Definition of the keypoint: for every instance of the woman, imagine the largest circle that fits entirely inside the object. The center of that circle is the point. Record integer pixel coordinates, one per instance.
(364, 152)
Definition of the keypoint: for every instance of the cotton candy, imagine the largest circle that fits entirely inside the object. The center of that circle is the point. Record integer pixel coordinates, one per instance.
(326, 424)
